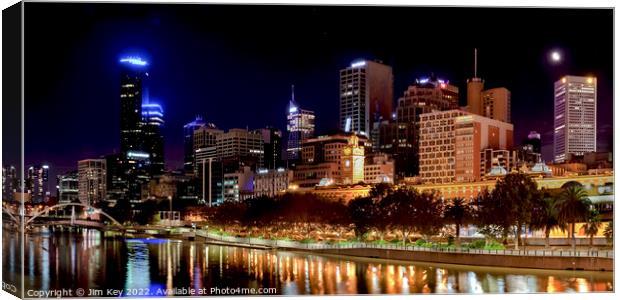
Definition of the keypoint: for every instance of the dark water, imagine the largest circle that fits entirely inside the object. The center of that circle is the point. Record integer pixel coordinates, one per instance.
(56, 260)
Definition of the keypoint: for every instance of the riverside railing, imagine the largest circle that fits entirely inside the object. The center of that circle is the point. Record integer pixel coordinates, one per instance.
(362, 245)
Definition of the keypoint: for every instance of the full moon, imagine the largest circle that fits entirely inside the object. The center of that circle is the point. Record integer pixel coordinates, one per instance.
(555, 56)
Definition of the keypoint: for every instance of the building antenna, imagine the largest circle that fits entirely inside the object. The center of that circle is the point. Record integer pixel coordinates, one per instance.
(475, 62)
(293, 92)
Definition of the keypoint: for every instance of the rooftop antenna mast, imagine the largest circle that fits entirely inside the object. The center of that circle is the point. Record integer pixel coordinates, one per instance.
(293, 92)
(475, 62)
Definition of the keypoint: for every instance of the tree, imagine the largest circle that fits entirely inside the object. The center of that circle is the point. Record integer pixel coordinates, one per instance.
(573, 206)
(457, 212)
(397, 209)
(362, 212)
(516, 195)
(545, 216)
(593, 222)
(427, 213)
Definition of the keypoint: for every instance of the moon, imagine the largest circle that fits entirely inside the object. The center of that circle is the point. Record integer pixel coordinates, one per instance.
(555, 56)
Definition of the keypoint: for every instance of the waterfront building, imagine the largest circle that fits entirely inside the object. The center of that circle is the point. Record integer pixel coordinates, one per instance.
(37, 183)
(133, 81)
(91, 181)
(68, 187)
(271, 182)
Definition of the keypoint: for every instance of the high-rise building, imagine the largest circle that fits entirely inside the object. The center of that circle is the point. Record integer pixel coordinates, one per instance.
(210, 174)
(452, 142)
(37, 183)
(366, 95)
(272, 146)
(91, 181)
(133, 78)
(240, 147)
(496, 104)
(574, 117)
(68, 187)
(300, 127)
(153, 123)
(188, 142)
(9, 183)
(399, 137)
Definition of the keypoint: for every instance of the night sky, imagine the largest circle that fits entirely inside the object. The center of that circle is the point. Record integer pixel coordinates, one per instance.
(234, 65)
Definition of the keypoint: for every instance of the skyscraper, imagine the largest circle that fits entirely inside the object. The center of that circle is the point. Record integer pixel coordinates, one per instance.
(574, 117)
(133, 75)
(68, 187)
(188, 142)
(153, 123)
(9, 183)
(300, 127)
(272, 146)
(37, 183)
(91, 181)
(366, 94)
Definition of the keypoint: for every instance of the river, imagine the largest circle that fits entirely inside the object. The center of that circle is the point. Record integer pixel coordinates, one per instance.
(87, 260)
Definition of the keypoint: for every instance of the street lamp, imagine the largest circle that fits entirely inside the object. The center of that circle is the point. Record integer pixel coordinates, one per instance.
(170, 216)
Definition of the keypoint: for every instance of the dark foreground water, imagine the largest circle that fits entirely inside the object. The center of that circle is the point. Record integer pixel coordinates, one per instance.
(57, 260)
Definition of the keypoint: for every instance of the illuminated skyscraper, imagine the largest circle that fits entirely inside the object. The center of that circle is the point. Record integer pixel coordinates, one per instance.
(91, 181)
(133, 76)
(366, 94)
(300, 127)
(574, 117)
(68, 187)
(188, 141)
(9, 183)
(37, 183)
(272, 146)
(153, 123)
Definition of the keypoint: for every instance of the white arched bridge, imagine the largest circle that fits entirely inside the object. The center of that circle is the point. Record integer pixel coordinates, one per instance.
(64, 221)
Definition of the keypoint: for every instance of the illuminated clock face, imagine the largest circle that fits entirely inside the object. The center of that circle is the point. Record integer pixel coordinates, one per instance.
(347, 163)
(347, 151)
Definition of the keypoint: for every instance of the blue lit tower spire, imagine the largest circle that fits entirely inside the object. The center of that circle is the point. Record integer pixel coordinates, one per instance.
(188, 140)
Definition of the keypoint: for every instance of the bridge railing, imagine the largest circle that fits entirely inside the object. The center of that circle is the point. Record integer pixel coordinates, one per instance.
(363, 245)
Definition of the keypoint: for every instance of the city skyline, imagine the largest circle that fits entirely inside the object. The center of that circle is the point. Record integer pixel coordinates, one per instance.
(185, 84)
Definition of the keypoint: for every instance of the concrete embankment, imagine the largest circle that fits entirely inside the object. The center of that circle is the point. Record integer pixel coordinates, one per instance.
(488, 260)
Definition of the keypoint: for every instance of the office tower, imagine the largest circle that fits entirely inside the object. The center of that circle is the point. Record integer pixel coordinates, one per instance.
(68, 187)
(300, 127)
(366, 95)
(152, 128)
(240, 147)
(272, 146)
(574, 117)
(399, 138)
(9, 183)
(133, 76)
(188, 142)
(424, 96)
(474, 90)
(379, 168)
(116, 180)
(91, 181)
(452, 142)
(496, 104)
(37, 183)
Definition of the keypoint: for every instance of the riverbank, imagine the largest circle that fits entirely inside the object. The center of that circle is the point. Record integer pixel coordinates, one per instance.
(533, 259)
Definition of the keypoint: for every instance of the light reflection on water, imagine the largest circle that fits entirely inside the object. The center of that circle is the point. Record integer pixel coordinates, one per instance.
(87, 260)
